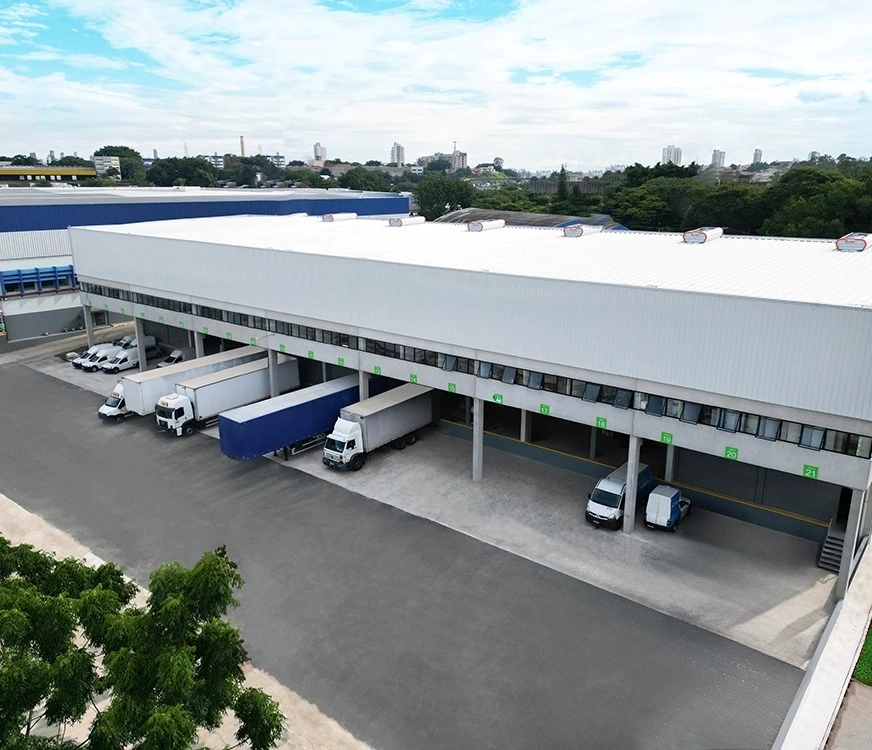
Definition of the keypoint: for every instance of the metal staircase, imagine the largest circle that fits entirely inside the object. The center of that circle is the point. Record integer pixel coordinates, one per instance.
(831, 551)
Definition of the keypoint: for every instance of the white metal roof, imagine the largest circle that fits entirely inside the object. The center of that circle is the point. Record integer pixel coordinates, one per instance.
(389, 398)
(222, 375)
(786, 269)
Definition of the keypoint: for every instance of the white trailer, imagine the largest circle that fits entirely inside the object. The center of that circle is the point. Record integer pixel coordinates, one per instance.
(141, 390)
(391, 417)
(199, 401)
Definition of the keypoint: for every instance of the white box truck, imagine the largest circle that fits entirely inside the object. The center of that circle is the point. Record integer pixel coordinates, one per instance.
(199, 401)
(391, 417)
(139, 392)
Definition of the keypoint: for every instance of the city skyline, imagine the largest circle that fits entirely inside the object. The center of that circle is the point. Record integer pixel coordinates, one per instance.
(89, 73)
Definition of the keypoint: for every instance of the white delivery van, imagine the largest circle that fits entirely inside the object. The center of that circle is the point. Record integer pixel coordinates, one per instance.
(606, 504)
(79, 361)
(96, 361)
(666, 508)
(124, 360)
(178, 355)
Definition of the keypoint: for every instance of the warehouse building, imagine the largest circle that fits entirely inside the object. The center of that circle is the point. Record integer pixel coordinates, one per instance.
(38, 284)
(739, 368)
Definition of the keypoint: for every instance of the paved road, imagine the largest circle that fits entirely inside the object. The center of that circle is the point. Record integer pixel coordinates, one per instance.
(408, 634)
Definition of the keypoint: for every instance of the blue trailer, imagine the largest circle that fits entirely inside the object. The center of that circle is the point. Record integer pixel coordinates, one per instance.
(297, 420)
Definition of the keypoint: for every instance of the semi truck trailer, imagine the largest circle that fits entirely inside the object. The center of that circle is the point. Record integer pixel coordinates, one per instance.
(296, 421)
(198, 402)
(391, 417)
(139, 392)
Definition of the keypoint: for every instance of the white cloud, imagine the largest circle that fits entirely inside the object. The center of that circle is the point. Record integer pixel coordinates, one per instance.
(286, 74)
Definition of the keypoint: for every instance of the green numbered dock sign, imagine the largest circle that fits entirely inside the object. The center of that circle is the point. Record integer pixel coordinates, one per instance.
(731, 454)
(181, 324)
(341, 361)
(282, 348)
(205, 330)
(253, 341)
(310, 354)
(413, 378)
(810, 472)
(498, 398)
(228, 335)
(544, 409)
(452, 387)
(666, 437)
(160, 318)
(376, 370)
(601, 423)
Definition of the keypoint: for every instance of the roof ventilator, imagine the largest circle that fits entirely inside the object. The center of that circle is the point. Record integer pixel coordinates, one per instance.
(339, 217)
(578, 230)
(405, 221)
(483, 226)
(701, 235)
(855, 242)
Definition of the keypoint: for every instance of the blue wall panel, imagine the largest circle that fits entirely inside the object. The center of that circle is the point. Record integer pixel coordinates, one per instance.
(56, 216)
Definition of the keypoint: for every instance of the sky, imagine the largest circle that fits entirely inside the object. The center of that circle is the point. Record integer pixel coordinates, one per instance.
(539, 83)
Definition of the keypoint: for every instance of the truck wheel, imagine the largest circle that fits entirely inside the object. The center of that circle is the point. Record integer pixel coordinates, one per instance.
(119, 418)
(356, 463)
(411, 439)
(188, 429)
(399, 443)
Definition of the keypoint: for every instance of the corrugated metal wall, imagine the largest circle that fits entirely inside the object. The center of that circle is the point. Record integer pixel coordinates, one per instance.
(805, 356)
(24, 245)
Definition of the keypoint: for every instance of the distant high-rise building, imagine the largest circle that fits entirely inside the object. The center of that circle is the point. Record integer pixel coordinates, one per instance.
(33, 154)
(320, 153)
(671, 155)
(278, 160)
(812, 155)
(50, 156)
(758, 156)
(102, 163)
(717, 158)
(215, 160)
(458, 159)
(154, 154)
(398, 154)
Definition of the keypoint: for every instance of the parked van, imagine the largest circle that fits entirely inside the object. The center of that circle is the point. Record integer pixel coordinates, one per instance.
(124, 360)
(666, 508)
(79, 361)
(606, 504)
(96, 361)
(178, 355)
(131, 342)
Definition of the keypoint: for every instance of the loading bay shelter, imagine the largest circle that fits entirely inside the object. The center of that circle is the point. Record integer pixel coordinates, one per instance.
(741, 364)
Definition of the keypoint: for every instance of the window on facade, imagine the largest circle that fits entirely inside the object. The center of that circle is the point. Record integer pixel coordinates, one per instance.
(768, 428)
(497, 372)
(509, 374)
(551, 383)
(690, 412)
(449, 362)
(728, 420)
(811, 437)
(591, 392)
(836, 441)
(576, 388)
(483, 369)
(656, 405)
(790, 432)
(464, 365)
(534, 381)
(623, 399)
(640, 401)
(859, 445)
(674, 407)
(607, 394)
(749, 424)
(709, 415)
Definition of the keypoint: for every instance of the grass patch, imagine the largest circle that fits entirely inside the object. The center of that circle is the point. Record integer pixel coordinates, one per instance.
(863, 670)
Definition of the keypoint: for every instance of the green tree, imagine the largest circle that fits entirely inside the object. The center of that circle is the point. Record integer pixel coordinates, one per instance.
(112, 172)
(20, 160)
(358, 178)
(186, 171)
(438, 165)
(438, 194)
(132, 166)
(73, 161)
(304, 178)
(168, 668)
(562, 187)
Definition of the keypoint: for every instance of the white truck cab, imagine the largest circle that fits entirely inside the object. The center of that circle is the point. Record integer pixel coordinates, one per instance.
(174, 413)
(115, 407)
(97, 360)
(345, 442)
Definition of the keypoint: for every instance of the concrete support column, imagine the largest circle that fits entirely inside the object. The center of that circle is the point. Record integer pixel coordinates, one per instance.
(526, 426)
(363, 384)
(199, 344)
(139, 332)
(593, 435)
(467, 410)
(323, 372)
(632, 484)
(190, 338)
(477, 439)
(272, 358)
(669, 474)
(850, 548)
(89, 325)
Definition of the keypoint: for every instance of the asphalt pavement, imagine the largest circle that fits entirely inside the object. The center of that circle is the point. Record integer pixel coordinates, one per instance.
(407, 633)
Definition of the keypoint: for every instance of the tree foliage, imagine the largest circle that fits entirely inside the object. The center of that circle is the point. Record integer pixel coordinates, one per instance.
(358, 178)
(68, 634)
(185, 171)
(132, 166)
(437, 195)
(73, 161)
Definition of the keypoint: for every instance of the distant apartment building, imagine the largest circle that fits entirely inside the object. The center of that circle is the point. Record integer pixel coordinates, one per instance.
(416, 169)
(398, 154)
(717, 158)
(671, 155)
(812, 155)
(215, 160)
(458, 160)
(102, 163)
(277, 160)
(320, 153)
(758, 156)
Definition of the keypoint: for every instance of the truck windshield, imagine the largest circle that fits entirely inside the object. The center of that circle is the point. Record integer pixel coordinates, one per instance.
(164, 411)
(337, 446)
(609, 499)
(113, 401)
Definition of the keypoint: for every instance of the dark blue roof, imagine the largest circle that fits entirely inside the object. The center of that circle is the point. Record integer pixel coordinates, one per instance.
(41, 217)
